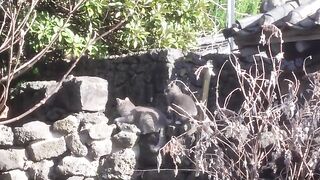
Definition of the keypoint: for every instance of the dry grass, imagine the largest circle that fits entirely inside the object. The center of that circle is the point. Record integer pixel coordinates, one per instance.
(274, 135)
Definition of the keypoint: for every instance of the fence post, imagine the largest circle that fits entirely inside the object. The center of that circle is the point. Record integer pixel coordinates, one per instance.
(231, 19)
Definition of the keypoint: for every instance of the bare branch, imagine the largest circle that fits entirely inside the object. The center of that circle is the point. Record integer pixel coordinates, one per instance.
(56, 89)
(27, 65)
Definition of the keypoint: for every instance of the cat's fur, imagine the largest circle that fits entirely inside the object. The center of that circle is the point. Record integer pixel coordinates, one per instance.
(147, 119)
(180, 102)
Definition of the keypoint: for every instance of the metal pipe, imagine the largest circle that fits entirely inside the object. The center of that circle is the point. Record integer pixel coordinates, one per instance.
(231, 19)
(231, 13)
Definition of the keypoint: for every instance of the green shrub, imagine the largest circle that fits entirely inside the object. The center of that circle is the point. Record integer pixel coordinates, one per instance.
(243, 8)
(148, 24)
(50, 17)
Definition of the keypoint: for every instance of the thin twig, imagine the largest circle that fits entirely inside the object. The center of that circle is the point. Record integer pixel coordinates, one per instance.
(58, 86)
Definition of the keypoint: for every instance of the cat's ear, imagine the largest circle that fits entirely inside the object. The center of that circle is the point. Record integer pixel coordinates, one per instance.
(118, 100)
(171, 84)
(127, 99)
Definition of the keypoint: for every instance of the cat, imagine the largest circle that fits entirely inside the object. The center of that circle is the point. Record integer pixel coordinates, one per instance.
(147, 119)
(182, 104)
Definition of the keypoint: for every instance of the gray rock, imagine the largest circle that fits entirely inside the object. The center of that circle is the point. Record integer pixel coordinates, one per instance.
(67, 125)
(47, 149)
(122, 67)
(127, 136)
(121, 78)
(27, 94)
(12, 159)
(87, 120)
(90, 178)
(119, 165)
(101, 131)
(129, 128)
(91, 118)
(6, 137)
(54, 113)
(84, 137)
(75, 145)
(14, 175)
(144, 67)
(41, 170)
(76, 178)
(125, 139)
(137, 88)
(85, 94)
(77, 166)
(100, 148)
(32, 131)
(48, 86)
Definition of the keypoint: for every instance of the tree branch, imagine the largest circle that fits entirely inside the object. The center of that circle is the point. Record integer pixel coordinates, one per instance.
(58, 86)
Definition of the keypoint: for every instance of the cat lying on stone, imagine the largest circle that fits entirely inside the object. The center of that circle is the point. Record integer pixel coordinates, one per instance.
(147, 119)
(181, 104)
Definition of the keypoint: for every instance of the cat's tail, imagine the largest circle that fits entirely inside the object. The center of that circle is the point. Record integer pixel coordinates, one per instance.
(161, 142)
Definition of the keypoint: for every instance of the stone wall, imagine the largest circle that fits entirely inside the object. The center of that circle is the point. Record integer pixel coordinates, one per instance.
(143, 77)
(73, 136)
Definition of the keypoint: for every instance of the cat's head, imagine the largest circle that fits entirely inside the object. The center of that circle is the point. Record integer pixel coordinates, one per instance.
(172, 89)
(124, 106)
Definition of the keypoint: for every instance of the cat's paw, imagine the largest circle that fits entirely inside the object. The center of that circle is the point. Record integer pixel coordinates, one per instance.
(117, 121)
(154, 148)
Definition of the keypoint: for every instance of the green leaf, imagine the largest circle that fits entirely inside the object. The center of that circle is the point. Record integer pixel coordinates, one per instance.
(69, 40)
(135, 43)
(118, 14)
(90, 12)
(68, 33)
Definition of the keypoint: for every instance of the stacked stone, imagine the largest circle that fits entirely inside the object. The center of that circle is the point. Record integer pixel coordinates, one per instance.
(82, 143)
(74, 147)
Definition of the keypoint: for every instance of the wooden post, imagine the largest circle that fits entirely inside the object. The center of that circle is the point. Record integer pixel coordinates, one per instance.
(206, 82)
